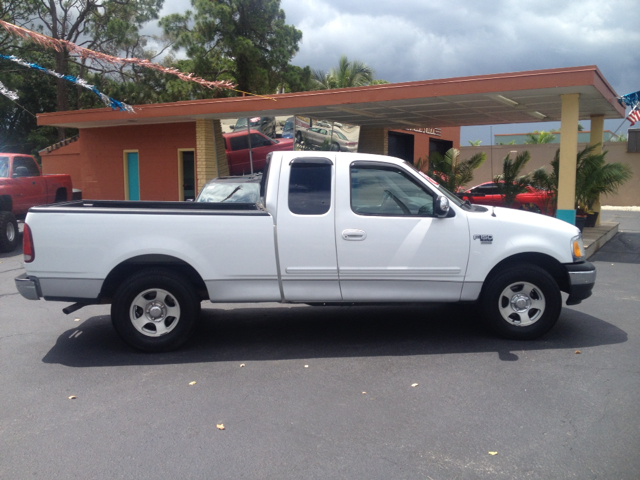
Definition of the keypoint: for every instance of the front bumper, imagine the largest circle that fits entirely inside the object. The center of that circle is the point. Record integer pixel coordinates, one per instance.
(28, 287)
(582, 278)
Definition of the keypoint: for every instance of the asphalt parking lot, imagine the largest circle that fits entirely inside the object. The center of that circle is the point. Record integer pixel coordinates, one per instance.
(327, 392)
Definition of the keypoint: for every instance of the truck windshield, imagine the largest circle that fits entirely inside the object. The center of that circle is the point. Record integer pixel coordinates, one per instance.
(4, 167)
(453, 198)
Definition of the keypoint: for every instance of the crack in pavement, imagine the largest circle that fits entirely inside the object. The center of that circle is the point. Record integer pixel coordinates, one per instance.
(12, 270)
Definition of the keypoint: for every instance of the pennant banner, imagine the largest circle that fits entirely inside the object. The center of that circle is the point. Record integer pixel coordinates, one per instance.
(60, 45)
(108, 101)
(630, 99)
(8, 93)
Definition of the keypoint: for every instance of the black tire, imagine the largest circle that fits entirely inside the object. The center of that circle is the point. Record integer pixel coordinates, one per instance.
(9, 232)
(521, 302)
(298, 137)
(335, 147)
(155, 291)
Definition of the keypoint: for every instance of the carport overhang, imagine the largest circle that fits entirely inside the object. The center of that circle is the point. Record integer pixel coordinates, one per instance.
(521, 97)
(564, 94)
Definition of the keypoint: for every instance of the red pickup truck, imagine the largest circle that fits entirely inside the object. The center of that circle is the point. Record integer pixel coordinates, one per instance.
(534, 200)
(237, 148)
(22, 186)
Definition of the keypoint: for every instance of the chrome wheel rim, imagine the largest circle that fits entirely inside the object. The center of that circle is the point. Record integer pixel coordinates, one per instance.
(10, 232)
(521, 304)
(154, 312)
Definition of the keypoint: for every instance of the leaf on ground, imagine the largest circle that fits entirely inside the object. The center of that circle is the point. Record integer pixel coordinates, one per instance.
(192, 383)
(76, 320)
(578, 351)
(306, 366)
(364, 393)
(241, 365)
(72, 397)
(220, 426)
(493, 453)
(414, 384)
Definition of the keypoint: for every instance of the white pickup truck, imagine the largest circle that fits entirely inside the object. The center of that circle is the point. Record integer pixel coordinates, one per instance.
(330, 228)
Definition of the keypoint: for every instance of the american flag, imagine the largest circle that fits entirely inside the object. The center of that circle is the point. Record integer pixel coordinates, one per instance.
(634, 116)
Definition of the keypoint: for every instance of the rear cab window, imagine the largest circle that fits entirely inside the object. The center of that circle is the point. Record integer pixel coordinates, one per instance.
(310, 186)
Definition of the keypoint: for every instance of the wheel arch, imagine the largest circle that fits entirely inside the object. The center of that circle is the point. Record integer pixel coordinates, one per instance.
(142, 262)
(552, 266)
(6, 203)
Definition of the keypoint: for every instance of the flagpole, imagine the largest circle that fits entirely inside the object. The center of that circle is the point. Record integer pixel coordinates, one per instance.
(625, 118)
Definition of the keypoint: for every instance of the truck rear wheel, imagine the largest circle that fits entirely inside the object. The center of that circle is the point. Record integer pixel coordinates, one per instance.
(522, 302)
(155, 310)
(8, 232)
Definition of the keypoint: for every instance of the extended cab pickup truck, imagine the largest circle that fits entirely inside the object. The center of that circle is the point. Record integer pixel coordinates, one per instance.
(330, 228)
(22, 186)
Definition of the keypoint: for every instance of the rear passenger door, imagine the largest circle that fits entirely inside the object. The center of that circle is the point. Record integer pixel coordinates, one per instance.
(306, 230)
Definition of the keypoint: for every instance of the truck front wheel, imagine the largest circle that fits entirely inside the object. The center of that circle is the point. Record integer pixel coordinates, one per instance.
(522, 302)
(155, 310)
(8, 232)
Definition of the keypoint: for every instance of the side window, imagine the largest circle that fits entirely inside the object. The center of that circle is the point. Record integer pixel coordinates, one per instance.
(489, 189)
(25, 167)
(238, 143)
(258, 140)
(310, 186)
(387, 191)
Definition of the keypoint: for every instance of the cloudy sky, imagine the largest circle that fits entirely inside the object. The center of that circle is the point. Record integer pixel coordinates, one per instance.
(405, 40)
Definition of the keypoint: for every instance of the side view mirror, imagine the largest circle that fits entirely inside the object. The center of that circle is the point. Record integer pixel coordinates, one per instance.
(232, 127)
(441, 206)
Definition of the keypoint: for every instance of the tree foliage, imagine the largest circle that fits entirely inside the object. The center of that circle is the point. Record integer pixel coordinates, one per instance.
(539, 137)
(510, 183)
(247, 41)
(594, 176)
(106, 26)
(451, 172)
(347, 74)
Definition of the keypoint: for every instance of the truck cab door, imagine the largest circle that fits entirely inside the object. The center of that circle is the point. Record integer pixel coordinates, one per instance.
(306, 230)
(391, 246)
(30, 185)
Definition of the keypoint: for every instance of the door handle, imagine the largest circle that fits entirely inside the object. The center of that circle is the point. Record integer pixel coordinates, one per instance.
(353, 234)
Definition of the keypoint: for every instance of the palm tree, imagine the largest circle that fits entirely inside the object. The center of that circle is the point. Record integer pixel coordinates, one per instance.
(594, 177)
(475, 143)
(449, 171)
(539, 137)
(510, 183)
(347, 74)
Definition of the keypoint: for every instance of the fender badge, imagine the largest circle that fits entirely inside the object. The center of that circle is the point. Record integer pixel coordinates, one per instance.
(484, 239)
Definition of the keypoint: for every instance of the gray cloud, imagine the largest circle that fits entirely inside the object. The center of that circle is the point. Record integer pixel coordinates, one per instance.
(412, 40)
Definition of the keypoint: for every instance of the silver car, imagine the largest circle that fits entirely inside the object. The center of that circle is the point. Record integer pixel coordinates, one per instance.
(320, 136)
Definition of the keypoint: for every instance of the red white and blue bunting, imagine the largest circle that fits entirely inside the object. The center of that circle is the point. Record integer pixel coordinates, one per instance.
(72, 48)
(108, 101)
(10, 94)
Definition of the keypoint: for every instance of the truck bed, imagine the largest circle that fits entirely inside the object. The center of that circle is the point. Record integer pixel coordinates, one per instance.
(150, 207)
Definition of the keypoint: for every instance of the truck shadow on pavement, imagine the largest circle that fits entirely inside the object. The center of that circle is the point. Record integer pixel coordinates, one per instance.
(284, 333)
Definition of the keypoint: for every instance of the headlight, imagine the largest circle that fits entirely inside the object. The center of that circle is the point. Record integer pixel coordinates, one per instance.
(577, 248)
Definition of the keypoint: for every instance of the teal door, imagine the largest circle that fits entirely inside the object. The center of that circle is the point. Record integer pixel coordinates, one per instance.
(133, 186)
